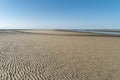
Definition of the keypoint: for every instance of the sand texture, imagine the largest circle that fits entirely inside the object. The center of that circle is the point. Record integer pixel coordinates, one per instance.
(58, 55)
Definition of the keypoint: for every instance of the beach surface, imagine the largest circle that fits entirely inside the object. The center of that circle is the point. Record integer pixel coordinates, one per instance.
(58, 55)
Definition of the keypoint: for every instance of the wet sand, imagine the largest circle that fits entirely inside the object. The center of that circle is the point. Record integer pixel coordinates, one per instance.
(58, 55)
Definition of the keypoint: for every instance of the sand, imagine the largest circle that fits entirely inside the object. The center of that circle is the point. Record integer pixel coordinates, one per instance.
(58, 55)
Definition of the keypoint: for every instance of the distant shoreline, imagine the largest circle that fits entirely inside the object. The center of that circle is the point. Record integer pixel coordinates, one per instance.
(99, 32)
(94, 31)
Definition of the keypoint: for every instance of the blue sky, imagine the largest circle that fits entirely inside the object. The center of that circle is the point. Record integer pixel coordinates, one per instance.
(60, 14)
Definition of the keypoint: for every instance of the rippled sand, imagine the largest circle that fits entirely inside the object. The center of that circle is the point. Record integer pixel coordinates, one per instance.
(58, 55)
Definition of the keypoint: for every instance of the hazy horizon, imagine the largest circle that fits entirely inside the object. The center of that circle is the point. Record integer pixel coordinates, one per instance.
(59, 14)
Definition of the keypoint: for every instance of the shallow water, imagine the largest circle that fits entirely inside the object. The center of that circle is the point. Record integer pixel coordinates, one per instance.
(98, 32)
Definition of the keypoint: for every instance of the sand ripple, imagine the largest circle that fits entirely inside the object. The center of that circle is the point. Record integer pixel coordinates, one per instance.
(49, 57)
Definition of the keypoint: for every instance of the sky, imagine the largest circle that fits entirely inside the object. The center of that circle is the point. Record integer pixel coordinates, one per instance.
(59, 14)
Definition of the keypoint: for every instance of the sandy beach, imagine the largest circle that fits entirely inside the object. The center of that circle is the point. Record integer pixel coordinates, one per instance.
(58, 55)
